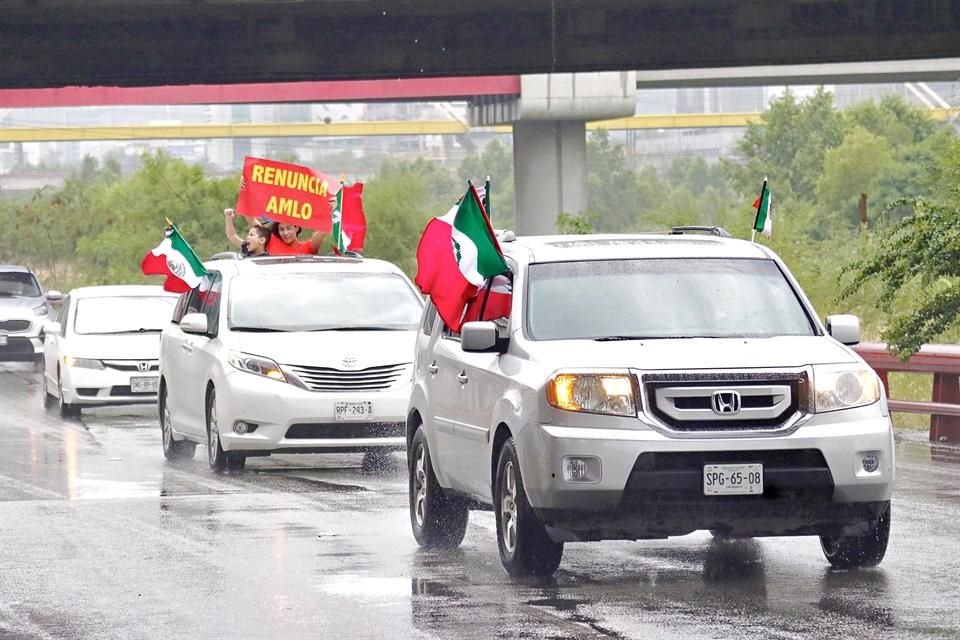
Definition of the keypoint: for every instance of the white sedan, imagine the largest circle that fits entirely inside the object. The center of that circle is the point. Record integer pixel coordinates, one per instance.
(289, 355)
(103, 349)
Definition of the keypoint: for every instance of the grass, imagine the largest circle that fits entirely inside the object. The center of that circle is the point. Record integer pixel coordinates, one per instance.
(911, 386)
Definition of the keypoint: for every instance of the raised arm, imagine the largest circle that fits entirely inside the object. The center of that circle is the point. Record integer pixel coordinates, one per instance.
(230, 229)
(316, 241)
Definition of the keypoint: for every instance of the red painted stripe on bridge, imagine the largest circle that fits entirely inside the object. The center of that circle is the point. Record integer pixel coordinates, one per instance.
(425, 89)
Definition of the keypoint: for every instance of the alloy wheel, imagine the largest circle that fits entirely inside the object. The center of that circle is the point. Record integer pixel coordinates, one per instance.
(213, 438)
(508, 508)
(420, 486)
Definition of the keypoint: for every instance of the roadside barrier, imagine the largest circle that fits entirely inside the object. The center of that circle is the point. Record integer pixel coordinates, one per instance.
(943, 361)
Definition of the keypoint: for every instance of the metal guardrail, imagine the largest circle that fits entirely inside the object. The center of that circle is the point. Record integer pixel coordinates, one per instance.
(941, 360)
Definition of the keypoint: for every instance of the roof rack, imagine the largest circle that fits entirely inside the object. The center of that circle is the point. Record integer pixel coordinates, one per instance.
(714, 231)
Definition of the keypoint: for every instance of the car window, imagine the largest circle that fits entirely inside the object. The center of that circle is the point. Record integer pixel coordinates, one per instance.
(181, 309)
(324, 301)
(429, 316)
(18, 284)
(62, 315)
(122, 314)
(662, 298)
(209, 293)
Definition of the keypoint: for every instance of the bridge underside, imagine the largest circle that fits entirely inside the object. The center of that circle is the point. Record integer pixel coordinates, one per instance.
(53, 43)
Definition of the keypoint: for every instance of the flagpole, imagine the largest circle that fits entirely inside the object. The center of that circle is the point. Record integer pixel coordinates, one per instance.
(486, 196)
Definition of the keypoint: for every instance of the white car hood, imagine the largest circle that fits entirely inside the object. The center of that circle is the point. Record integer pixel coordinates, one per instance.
(125, 346)
(331, 348)
(692, 353)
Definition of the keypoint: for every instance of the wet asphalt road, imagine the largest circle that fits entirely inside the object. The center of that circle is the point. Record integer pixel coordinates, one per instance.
(100, 538)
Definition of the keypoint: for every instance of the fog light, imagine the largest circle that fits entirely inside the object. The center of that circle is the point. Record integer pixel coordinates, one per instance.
(240, 427)
(581, 469)
(870, 461)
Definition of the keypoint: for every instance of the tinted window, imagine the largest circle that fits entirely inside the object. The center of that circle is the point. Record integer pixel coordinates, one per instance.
(429, 315)
(18, 284)
(122, 314)
(670, 298)
(323, 301)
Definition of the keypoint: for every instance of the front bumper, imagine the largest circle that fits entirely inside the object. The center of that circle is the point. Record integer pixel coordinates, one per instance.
(294, 420)
(90, 387)
(22, 346)
(651, 485)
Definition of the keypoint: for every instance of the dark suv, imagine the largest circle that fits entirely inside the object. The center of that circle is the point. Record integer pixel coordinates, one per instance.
(23, 309)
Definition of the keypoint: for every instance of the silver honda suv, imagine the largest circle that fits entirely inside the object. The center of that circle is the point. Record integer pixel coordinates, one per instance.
(647, 386)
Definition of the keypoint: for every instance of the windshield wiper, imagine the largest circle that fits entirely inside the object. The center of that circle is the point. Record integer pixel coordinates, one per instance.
(615, 338)
(260, 329)
(116, 333)
(359, 328)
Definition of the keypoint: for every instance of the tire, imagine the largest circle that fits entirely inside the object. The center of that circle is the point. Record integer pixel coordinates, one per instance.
(173, 450)
(850, 552)
(525, 546)
(438, 519)
(216, 456)
(67, 410)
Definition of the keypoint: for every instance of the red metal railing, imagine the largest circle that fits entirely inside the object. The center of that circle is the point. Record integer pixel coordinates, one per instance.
(943, 361)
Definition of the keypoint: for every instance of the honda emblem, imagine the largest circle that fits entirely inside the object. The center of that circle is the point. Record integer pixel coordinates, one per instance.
(143, 367)
(725, 403)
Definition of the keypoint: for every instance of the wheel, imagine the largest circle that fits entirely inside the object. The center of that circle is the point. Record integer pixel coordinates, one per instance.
(216, 456)
(67, 410)
(525, 546)
(438, 519)
(848, 552)
(172, 449)
(47, 396)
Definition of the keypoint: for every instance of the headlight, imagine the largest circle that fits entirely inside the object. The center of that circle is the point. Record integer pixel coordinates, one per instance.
(41, 310)
(608, 393)
(843, 387)
(256, 365)
(83, 363)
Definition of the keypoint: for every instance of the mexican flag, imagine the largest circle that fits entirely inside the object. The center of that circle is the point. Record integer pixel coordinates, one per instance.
(456, 255)
(175, 259)
(349, 221)
(764, 220)
(495, 298)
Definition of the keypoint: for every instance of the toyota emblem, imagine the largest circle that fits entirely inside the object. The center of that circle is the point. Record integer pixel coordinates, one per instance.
(349, 361)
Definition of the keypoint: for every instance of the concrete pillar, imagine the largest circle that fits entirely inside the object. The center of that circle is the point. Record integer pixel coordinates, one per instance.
(550, 172)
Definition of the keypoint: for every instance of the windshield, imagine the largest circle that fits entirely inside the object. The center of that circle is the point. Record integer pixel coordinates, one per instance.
(18, 284)
(662, 298)
(115, 314)
(323, 301)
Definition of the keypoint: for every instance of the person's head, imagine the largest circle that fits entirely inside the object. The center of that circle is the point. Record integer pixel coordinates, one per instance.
(256, 241)
(287, 232)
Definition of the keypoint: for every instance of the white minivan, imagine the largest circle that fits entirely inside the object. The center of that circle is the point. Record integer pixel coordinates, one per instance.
(293, 354)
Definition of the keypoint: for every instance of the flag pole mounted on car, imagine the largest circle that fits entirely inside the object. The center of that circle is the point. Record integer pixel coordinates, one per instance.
(763, 222)
(486, 206)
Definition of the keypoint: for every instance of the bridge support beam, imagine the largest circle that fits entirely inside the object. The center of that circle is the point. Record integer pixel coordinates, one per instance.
(550, 173)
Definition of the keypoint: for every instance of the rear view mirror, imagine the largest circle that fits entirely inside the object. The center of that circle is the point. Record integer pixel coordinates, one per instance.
(481, 337)
(54, 296)
(194, 323)
(844, 328)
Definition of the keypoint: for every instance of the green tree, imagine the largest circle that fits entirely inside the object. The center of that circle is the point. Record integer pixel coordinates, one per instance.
(849, 170)
(917, 264)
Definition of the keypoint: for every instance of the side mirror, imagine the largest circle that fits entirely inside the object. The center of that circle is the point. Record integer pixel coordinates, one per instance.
(844, 328)
(194, 323)
(52, 328)
(54, 296)
(481, 337)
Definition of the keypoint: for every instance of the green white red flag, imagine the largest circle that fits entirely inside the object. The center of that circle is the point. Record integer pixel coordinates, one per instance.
(175, 259)
(349, 221)
(764, 220)
(457, 253)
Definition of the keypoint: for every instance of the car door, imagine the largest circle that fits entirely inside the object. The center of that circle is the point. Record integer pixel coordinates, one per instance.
(446, 408)
(199, 351)
(53, 346)
(174, 360)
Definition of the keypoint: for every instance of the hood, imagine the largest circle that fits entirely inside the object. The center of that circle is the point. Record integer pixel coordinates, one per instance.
(19, 307)
(133, 346)
(692, 353)
(330, 348)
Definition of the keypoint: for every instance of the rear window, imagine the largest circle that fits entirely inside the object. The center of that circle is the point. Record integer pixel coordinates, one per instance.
(662, 298)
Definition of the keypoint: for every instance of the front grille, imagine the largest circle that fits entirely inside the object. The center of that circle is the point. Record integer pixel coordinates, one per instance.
(14, 326)
(677, 477)
(132, 365)
(345, 430)
(330, 379)
(764, 401)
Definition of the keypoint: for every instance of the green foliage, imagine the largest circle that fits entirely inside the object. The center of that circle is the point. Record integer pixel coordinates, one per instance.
(849, 170)
(496, 161)
(581, 224)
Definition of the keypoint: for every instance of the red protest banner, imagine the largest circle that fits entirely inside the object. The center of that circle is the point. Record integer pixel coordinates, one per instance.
(286, 193)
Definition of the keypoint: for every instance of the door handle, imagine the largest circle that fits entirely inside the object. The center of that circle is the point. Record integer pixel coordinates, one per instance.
(433, 368)
(187, 347)
(462, 378)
